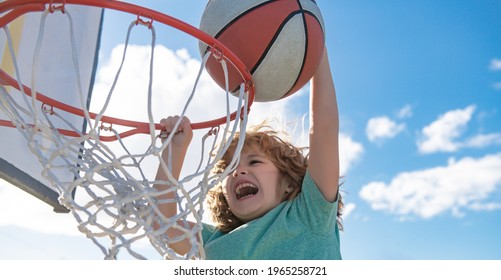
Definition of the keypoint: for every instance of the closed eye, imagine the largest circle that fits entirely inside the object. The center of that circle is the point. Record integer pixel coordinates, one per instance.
(254, 162)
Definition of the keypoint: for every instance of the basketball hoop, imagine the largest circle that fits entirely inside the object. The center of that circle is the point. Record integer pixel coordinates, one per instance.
(121, 205)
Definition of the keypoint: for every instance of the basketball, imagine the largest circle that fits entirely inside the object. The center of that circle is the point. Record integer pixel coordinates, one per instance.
(281, 42)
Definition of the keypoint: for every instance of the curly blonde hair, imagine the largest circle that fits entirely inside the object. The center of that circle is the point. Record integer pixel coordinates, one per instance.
(292, 162)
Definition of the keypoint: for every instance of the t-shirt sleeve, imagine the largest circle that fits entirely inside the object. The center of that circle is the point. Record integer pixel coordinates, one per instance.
(311, 208)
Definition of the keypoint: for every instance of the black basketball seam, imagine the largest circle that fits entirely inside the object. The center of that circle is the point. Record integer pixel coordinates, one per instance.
(270, 44)
(316, 18)
(237, 18)
(273, 39)
(303, 12)
(305, 47)
(241, 15)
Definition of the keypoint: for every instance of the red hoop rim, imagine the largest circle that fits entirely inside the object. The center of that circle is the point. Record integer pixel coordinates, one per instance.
(16, 8)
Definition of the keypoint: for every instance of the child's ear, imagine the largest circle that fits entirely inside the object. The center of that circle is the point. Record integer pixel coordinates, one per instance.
(289, 190)
(288, 186)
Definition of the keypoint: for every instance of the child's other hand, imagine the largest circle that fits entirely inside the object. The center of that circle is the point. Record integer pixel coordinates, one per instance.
(182, 136)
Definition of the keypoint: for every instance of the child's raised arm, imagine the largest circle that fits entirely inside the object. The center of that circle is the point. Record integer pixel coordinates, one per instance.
(324, 129)
(179, 146)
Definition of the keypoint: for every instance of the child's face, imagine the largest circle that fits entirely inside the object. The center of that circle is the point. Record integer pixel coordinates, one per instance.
(255, 187)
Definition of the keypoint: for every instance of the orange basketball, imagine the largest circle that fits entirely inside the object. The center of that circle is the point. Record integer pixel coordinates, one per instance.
(281, 42)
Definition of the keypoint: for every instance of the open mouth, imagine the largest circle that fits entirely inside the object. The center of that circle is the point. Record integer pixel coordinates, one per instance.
(246, 190)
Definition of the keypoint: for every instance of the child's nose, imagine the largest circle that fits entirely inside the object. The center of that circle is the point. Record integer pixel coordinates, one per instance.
(239, 171)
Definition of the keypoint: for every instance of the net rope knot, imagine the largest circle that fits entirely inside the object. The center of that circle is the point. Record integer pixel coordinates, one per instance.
(141, 21)
(48, 109)
(217, 53)
(106, 126)
(53, 7)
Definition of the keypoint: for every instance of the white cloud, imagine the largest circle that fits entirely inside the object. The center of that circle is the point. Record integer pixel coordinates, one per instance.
(174, 77)
(485, 206)
(20, 208)
(442, 135)
(405, 112)
(350, 152)
(381, 128)
(495, 64)
(348, 209)
(439, 136)
(483, 140)
(463, 184)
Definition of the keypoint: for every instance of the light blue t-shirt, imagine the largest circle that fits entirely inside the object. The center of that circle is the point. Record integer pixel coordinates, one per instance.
(304, 228)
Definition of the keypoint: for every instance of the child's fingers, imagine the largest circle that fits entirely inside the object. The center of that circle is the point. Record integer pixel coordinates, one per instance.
(185, 124)
(170, 122)
(165, 122)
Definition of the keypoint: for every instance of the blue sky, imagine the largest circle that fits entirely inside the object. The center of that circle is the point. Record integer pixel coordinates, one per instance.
(419, 93)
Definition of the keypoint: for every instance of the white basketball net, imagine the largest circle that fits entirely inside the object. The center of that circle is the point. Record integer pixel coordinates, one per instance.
(114, 203)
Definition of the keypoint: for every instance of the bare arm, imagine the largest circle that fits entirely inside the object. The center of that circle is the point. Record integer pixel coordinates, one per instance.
(324, 130)
(179, 146)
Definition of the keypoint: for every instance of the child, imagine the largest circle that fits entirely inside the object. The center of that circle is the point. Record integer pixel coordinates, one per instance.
(277, 203)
